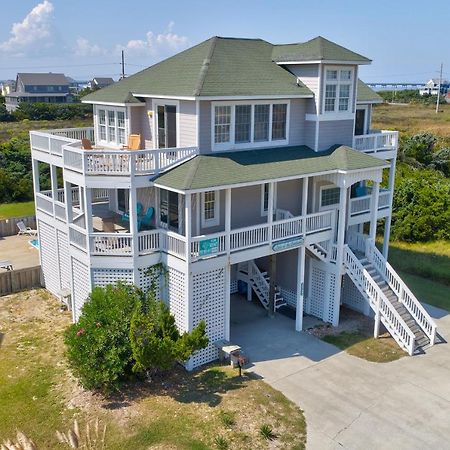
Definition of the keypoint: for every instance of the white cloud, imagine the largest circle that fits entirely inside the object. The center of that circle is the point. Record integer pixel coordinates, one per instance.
(84, 48)
(34, 32)
(155, 44)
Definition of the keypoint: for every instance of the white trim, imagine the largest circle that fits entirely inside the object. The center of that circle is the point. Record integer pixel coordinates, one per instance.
(231, 145)
(366, 117)
(107, 142)
(155, 104)
(338, 82)
(329, 116)
(332, 206)
(264, 213)
(92, 102)
(369, 102)
(170, 97)
(206, 223)
(254, 97)
(326, 61)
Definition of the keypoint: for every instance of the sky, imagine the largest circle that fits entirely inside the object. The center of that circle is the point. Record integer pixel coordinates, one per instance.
(407, 40)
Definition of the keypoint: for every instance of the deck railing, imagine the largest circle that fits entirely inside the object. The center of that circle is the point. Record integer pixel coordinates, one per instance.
(361, 205)
(383, 140)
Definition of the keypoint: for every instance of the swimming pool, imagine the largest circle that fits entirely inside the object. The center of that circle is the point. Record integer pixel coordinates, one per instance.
(34, 243)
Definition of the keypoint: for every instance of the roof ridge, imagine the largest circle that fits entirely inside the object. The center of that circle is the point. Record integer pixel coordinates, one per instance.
(205, 66)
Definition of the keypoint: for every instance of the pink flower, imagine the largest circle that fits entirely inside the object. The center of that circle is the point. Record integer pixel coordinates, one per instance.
(80, 332)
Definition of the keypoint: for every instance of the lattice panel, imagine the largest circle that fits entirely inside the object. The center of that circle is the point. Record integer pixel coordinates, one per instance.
(81, 286)
(64, 260)
(289, 296)
(103, 277)
(208, 292)
(145, 282)
(49, 257)
(233, 287)
(333, 304)
(317, 292)
(351, 296)
(175, 297)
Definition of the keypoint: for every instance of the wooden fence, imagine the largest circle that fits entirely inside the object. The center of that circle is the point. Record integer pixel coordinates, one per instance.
(19, 280)
(8, 227)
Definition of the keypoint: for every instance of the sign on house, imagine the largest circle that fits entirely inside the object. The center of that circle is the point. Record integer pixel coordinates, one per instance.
(208, 246)
(286, 244)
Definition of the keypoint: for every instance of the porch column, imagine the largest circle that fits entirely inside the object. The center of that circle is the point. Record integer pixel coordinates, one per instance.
(188, 224)
(68, 201)
(300, 288)
(270, 211)
(187, 274)
(374, 210)
(87, 200)
(227, 219)
(340, 250)
(133, 220)
(36, 183)
(305, 196)
(387, 224)
(54, 185)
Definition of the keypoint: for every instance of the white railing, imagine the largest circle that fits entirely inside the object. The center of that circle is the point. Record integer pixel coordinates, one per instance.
(383, 308)
(74, 133)
(319, 221)
(60, 211)
(383, 140)
(116, 244)
(148, 242)
(52, 141)
(173, 243)
(44, 202)
(196, 251)
(287, 228)
(77, 237)
(384, 200)
(281, 214)
(249, 237)
(357, 241)
(401, 290)
(361, 205)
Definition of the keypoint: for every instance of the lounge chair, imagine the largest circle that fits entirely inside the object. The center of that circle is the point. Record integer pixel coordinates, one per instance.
(24, 230)
(145, 220)
(126, 216)
(87, 144)
(134, 142)
(5, 264)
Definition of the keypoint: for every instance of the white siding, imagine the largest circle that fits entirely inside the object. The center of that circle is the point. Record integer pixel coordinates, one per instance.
(188, 124)
(297, 122)
(205, 127)
(335, 132)
(147, 123)
(309, 76)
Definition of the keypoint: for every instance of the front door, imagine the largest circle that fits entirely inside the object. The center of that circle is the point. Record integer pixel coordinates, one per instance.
(167, 126)
(360, 121)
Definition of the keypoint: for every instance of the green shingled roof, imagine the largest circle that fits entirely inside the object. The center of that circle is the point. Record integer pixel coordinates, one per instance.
(367, 95)
(216, 67)
(224, 169)
(317, 49)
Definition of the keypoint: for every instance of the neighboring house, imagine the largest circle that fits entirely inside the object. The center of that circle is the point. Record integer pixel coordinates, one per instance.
(7, 86)
(38, 88)
(432, 87)
(100, 82)
(258, 172)
(76, 86)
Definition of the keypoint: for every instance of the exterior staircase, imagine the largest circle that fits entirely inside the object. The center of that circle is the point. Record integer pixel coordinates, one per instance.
(259, 281)
(323, 251)
(395, 306)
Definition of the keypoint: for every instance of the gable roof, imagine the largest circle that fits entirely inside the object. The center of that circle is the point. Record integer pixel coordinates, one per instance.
(102, 80)
(317, 49)
(216, 67)
(225, 169)
(43, 79)
(367, 95)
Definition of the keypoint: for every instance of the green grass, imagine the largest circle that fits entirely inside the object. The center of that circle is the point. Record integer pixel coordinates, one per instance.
(359, 344)
(177, 411)
(22, 209)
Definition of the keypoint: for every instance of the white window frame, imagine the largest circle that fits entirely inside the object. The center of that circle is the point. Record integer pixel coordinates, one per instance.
(263, 211)
(324, 188)
(232, 145)
(155, 104)
(338, 83)
(206, 223)
(366, 117)
(107, 142)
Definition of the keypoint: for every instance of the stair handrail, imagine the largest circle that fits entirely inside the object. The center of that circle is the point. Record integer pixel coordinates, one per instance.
(253, 270)
(401, 290)
(390, 317)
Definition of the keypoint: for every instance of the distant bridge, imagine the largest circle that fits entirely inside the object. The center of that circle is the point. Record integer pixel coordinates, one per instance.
(396, 85)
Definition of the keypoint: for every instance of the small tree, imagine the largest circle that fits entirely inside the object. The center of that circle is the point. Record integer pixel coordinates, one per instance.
(98, 345)
(155, 340)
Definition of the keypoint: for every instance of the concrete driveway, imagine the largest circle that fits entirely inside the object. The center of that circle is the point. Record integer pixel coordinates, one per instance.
(350, 403)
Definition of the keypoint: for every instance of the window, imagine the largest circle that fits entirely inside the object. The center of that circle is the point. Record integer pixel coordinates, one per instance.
(261, 123)
(265, 198)
(329, 196)
(250, 123)
(279, 116)
(111, 126)
(242, 123)
(210, 208)
(338, 90)
(222, 124)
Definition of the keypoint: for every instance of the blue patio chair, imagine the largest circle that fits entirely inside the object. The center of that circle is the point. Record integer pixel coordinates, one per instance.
(145, 220)
(126, 216)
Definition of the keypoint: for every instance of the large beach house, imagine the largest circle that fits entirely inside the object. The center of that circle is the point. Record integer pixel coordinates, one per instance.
(240, 166)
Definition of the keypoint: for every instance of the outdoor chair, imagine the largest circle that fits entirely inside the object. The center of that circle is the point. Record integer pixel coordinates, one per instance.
(145, 220)
(134, 142)
(5, 264)
(139, 208)
(87, 144)
(24, 230)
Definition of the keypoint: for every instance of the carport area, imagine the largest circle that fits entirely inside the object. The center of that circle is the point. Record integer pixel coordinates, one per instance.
(349, 403)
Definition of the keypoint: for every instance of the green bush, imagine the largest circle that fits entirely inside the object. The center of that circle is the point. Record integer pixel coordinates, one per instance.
(98, 345)
(52, 111)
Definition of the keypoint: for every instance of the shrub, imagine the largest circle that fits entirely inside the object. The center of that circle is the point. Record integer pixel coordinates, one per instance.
(227, 418)
(221, 443)
(266, 431)
(98, 346)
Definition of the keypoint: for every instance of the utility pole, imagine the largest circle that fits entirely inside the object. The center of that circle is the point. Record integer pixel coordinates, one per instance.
(439, 90)
(123, 65)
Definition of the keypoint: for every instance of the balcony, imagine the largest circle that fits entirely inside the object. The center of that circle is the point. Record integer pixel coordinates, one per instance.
(377, 142)
(66, 144)
(360, 206)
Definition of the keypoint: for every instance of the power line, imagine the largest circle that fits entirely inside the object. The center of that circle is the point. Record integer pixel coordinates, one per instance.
(59, 65)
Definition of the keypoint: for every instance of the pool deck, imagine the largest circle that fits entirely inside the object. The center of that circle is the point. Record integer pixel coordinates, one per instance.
(17, 250)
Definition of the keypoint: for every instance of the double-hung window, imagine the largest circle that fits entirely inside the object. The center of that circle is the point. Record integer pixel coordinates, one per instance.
(249, 124)
(210, 208)
(329, 196)
(111, 126)
(338, 90)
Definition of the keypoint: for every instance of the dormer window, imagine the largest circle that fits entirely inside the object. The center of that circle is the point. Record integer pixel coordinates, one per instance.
(338, 90)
